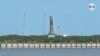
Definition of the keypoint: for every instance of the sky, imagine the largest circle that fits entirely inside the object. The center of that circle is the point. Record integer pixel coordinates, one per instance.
(72, 16)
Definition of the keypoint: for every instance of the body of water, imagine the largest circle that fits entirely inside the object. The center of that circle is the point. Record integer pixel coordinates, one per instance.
(50, 52)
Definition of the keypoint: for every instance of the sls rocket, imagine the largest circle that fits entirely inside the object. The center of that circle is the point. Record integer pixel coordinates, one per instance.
(52, 29)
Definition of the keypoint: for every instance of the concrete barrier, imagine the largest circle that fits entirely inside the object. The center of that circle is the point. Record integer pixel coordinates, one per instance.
(3, 45)
(36, 45)
(63, 45)
(79, 45)
(94, 45)
(26, 45)
(69, 45)
(20, 45)
(98, 45)
(31, 45)
(89, 45)
(42, 45)
(14, 45)
(53, 45)
(47, 45)
(58, 45)
(50, 45)
(9, 45)
(84, 45)
(73, 45)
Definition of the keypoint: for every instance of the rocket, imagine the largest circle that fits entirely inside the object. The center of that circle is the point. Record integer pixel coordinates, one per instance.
(52, 29)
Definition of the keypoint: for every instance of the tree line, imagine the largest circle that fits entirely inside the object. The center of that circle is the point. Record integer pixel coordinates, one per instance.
(45, 39)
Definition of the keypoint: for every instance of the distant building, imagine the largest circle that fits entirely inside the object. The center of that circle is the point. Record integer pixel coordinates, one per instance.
(52, 28)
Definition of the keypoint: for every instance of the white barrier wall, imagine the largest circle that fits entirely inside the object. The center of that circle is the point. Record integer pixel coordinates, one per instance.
(98, 45)
(84, 45)
(53, 45)
(94, 45)
(47, 45)
(63, 46)
(73, 45)
(58, 45)
(79, 45)
(26, 45)
(31, 45)
(3, 45)
(50, 45)
(20, 45)
(89, 45)
(37, 45)
(69, 45)
(9, 45)
(14, 45)
(42, 45)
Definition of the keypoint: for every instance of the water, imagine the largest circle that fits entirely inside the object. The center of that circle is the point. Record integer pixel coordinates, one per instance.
(49, 52)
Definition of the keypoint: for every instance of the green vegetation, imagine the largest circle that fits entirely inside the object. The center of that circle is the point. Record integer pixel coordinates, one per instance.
(45, 39)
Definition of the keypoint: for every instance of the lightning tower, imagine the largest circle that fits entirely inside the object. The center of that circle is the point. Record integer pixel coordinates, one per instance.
(24, 24)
